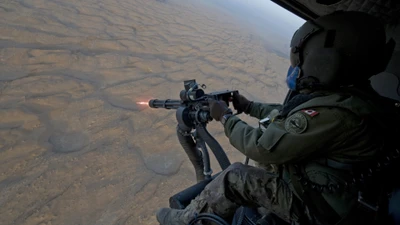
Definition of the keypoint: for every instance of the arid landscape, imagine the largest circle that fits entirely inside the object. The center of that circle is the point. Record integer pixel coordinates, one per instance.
(75, 148)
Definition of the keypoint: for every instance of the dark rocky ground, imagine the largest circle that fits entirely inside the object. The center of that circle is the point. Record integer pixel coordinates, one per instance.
(74, 146)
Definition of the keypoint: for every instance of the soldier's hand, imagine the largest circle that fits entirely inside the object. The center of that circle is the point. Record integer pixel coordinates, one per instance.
(218, 109)
(241, 103)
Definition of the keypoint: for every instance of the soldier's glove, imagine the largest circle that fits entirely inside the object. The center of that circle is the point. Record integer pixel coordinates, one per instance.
(218, 109)
(241, 104)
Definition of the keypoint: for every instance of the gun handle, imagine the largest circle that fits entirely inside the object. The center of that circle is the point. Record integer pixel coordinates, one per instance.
(237, 111)
(227, 101)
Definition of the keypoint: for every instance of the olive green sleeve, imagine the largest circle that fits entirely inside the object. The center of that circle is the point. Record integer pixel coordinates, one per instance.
(261, 110)
(280, 144)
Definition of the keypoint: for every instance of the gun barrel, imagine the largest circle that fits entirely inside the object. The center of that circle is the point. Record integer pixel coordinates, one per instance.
(166, 104)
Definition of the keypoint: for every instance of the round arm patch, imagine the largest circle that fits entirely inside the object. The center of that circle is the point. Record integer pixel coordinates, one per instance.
(296, 123)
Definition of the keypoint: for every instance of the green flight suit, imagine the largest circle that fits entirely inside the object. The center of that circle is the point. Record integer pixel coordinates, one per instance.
(334, 127)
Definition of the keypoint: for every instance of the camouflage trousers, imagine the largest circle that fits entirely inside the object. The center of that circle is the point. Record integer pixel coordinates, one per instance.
(243, 185)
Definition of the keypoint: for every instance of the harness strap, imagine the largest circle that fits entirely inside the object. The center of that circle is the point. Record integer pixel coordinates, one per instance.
(339, 165)
(335, 164)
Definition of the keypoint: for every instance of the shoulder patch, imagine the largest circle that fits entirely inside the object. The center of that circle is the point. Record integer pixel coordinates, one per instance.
(310, 112)
(296, 123)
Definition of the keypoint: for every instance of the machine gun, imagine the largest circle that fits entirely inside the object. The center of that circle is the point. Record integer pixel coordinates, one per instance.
(192, 108)
(193, 115)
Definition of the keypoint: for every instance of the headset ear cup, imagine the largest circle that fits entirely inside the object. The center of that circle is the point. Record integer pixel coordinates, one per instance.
(324, 64)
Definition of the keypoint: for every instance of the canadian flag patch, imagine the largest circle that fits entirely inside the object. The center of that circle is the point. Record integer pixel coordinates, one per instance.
(310, 112)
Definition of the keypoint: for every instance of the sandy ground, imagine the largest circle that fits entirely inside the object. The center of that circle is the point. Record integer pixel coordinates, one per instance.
(74, 146)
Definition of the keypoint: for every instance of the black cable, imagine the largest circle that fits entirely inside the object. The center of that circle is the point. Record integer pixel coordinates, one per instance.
(206, 158)
(195, 156)
(249, 221)
(246, 162)
(215, 147)
(210, 217)
(241, 216)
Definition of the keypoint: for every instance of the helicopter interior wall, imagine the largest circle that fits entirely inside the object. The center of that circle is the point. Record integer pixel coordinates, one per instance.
(387, 83)
(387, 10)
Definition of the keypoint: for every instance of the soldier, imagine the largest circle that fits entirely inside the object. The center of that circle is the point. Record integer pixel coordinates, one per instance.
(333, 124)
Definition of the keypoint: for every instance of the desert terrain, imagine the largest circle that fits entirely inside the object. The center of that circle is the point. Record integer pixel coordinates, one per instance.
(75, 148)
